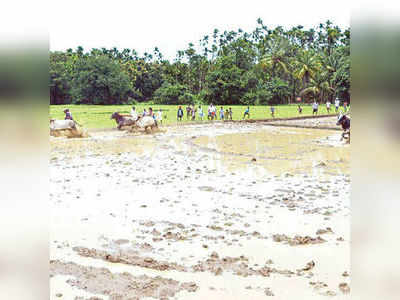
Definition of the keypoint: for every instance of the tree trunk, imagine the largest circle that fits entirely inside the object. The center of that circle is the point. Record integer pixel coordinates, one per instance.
(294, 90)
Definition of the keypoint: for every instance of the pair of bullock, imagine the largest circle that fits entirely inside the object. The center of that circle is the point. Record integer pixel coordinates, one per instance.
(146, 122)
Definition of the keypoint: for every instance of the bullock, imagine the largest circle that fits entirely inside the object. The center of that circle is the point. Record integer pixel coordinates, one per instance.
(62, 124)
(146, 122)
(344, 121)
(122, 120)
(66, 128)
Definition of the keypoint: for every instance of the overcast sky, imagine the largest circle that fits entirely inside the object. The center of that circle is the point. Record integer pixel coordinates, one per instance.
(172, 24)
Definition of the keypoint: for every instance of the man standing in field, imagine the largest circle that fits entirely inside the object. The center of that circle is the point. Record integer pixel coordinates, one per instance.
(180, 113)
(247, 113)
(221, 113)
(328, 106)
(213, 112)
(209, 112)
(273, 111)
(201, 114)
(337, 104)
(188, 110)
(315, 108)
(193, 112)
(230, 113)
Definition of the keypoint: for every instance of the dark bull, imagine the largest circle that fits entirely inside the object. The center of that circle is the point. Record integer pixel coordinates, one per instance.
(344, 121)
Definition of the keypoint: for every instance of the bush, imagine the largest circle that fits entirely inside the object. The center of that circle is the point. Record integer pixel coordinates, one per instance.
(99, 80)
(135, 96)
(186, 98)
(201, 98)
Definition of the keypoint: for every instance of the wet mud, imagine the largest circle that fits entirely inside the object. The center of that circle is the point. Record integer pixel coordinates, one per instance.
(218, 211)
(118, 285)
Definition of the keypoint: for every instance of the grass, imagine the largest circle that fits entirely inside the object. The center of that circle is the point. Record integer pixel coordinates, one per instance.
(98, 116)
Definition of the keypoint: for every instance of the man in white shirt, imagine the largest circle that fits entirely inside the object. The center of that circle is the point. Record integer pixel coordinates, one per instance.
(315, 108)
(328, 106)
(159, 116)
(213, 111)
(200, 111)
(209, 112)
(134, 113)
(337, 104)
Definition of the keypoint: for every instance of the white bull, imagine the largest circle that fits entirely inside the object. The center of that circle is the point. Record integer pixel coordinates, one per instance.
(62, 124)
(146, 122)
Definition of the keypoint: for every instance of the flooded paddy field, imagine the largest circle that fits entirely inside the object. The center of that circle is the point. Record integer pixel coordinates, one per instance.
(216, 211)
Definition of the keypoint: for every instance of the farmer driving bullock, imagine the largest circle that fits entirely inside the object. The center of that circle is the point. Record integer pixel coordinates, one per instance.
(344, 121)
(68, 115)
(134, 113)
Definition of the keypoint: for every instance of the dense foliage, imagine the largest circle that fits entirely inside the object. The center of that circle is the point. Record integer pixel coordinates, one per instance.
(266, 66)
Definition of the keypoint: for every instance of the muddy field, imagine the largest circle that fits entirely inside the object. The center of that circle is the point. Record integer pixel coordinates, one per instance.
(212, 211)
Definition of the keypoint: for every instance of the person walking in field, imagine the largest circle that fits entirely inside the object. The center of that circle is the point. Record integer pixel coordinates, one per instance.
(315, 108)
(337, 104)
(226, 114)
(180, 113)
(159, 116)
(299, 109)
(230, 113)
(345, 106)
(246, 113)
(68, 115)
(144, 112)
(328, 106)
(272, 111)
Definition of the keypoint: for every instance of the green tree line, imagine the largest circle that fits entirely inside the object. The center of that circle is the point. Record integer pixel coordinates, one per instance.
(265, 66)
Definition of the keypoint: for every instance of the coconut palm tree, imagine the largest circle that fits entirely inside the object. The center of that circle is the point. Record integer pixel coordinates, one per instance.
(276, 56)
(319, 87)
(307, 65)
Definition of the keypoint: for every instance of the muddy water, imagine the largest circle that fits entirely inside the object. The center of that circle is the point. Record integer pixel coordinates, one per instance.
(103, 143)
(281, 150)
(192, 197)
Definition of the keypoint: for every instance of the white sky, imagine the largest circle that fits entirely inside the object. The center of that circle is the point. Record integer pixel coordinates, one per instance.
(172, 24)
